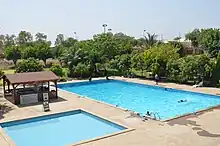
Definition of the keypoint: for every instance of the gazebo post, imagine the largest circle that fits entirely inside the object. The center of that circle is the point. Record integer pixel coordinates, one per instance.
(14, 95)
(4, 85)
(8, 85)
(48, 86)
(56, 88)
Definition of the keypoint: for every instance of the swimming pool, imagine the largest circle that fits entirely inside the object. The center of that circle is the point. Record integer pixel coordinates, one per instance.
(142, 98)
(60, 129)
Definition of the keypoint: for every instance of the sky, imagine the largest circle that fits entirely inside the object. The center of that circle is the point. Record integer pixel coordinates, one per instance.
(85, 17)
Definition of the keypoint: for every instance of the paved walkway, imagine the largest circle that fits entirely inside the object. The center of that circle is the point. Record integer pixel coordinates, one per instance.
(201, 130)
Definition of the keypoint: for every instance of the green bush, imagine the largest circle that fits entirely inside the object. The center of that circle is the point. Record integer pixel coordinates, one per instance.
(63, 79)
(190, 68)
(50, 62)
(173, 70)
(82, 70)
(57, 69)
(29, 65)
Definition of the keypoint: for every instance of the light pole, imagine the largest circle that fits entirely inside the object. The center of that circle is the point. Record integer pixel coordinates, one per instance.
(144, 32)
(109, 30)
(104, 26)
(74, 35)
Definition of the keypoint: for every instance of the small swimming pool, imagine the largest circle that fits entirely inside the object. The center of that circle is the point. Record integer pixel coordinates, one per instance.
(60, 129)
(142, 98)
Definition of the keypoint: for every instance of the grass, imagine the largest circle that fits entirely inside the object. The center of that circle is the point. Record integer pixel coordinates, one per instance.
(139, 73)
(7, 71)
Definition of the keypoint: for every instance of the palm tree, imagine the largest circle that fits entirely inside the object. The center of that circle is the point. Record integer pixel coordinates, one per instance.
(150, 39)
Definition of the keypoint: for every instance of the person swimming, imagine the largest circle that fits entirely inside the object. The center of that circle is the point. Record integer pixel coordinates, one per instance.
(182, 101)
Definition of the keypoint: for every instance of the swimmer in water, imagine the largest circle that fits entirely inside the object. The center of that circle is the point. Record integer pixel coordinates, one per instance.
(182, 101)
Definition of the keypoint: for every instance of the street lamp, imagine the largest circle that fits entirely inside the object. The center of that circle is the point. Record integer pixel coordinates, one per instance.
(144, 32)
(74, 35)
(104, 26)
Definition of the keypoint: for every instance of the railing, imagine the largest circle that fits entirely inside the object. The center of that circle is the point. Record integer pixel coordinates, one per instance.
(156, 116)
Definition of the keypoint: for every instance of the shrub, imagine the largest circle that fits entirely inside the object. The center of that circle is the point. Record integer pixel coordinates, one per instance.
(190, 68)
(50, 62)
(156, 58)
(29, 65)
(173, 70)
(57, 69)
(63, 79)
(82, 70)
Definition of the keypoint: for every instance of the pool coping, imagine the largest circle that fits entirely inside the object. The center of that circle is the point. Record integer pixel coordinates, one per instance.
(6, 137)
(192, 113)
(127, 129)
(127, 110)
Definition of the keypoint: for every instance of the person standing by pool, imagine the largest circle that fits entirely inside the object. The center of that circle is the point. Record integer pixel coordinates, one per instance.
(156, 77)
(106, 74)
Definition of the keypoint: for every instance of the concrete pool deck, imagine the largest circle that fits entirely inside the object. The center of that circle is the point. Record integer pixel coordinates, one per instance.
(202, 129)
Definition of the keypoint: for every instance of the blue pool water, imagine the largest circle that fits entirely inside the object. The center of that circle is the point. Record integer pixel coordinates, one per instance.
(59, 129)
(142, 98)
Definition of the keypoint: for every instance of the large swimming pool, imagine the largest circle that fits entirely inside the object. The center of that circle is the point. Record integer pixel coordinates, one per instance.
(60, 129)
(142, 98)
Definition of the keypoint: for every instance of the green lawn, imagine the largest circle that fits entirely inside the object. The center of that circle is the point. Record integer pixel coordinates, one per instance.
(7, 71)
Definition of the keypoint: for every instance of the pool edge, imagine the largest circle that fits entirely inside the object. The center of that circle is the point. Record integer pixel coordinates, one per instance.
(126, 110)
(9, 140)
(193, 113)
(102, 137)
(6, 137)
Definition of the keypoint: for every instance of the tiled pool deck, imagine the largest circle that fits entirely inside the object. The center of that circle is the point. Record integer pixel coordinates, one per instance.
(202, 129)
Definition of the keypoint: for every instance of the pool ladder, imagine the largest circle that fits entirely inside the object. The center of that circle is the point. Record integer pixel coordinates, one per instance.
(155, 115)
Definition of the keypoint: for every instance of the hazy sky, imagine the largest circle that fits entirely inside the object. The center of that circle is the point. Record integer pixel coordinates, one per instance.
(167, 17)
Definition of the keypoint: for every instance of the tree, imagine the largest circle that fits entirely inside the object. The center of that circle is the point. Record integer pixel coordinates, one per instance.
(150, 39)
(24, 38)
(41, 37)
(59, 40)
(122, 63)
(179, 46)
(43, 50)
(82, 70)
(12, 53)
(177, 38)
(138, 63)
(69, 42)
(193, 37)
(209, 39)
(29, 52)
(57, 69)
(157, 57)
(106, 45)
(216, 71)
(29, 65)
(9, 41)
(2, 42)
(173, 70)
(190, 68)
